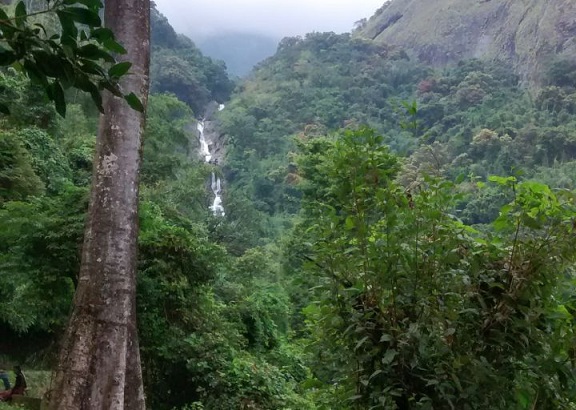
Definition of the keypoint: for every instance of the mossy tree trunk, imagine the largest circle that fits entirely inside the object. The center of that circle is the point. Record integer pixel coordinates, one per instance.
(99, 362)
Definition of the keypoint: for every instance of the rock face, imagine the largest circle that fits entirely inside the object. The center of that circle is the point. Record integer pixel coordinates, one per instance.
(215, 142)
(213, 136)
(526, 33)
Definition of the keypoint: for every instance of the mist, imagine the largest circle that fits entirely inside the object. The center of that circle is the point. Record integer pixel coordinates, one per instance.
(276, 18)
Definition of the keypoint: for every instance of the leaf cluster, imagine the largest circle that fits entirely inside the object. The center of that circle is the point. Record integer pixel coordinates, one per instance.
(73, 56)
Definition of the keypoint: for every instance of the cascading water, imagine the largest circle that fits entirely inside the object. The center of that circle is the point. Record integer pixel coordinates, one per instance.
(204, 148)
(217, 208)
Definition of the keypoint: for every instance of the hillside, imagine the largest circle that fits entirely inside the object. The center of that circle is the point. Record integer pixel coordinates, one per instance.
(213, 314)
(178, 66)
(475, 117)
(396, 235)
(526, 33)
(373, 230)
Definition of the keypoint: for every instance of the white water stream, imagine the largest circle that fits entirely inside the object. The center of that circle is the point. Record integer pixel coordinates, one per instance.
(217, 208)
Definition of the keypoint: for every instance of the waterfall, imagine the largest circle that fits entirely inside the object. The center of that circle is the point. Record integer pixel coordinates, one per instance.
(217, 208)
(204, 149)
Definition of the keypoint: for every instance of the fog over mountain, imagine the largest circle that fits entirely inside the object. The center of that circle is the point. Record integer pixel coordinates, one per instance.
(277, 18)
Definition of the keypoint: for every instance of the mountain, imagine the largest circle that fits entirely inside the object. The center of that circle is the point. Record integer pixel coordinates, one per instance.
(240, 51)
(178, 66)
(526, 34)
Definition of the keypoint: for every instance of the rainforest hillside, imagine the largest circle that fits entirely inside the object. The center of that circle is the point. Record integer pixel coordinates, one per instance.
(473, 119)
(412, 205)
(180, 68)
(396, 235)
(213, 307)
(523, 34)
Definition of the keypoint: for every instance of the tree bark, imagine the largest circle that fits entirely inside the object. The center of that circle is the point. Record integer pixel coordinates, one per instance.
(99, 361)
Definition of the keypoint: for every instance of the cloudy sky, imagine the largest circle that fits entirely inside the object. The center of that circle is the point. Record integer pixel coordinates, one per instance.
(280, 18)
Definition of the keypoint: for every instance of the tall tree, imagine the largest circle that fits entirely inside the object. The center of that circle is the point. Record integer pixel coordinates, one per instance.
(99, 363)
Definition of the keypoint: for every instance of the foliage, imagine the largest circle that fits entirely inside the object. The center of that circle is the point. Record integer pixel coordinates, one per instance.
(72, 55)
(561, 73)
(17, 176)
(167, 148)
(416, 309)
(213, 325)
(324, 82)
(39, 259)
(397, 298)
(213, 345)
(178, 67)
(28, 102)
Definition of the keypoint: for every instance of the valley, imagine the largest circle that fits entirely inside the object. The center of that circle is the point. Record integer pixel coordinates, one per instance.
(380, 219)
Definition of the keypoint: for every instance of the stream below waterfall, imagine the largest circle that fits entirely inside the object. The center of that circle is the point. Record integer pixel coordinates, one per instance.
(216, 184)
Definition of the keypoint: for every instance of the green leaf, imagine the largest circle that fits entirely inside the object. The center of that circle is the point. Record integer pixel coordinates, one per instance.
(69, 30)
(48, 63)
(134, 102)
(58, 97)
(67, 75)
(114, 46)
(91, 4)
(97, 98)
(34, 73)
(83, 16)
(118, 70)
(84, 83)
(375, 373)
(101, 34)
(8, 28)
(361, 342)
(90, 67)
(349, 223)
(502, 180)
(523, 398)
(389, 356)
(112, 87)
(456, 381)
(20, 14)
(93, 52)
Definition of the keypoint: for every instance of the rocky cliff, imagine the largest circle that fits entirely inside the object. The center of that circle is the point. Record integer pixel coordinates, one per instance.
(526, 33)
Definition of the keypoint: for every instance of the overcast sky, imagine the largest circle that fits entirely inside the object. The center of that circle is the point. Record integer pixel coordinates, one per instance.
(280, 18)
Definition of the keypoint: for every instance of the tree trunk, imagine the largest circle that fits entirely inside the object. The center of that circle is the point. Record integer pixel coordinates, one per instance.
(99, 362)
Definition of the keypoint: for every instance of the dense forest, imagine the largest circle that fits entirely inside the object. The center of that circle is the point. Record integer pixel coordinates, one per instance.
(397, 236)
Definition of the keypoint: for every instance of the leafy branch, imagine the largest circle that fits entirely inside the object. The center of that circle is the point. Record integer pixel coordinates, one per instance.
(80, 54)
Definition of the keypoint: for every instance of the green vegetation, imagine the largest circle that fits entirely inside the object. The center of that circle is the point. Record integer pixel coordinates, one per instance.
(473, 119)
(413, 308)
(369, 258)
(68, 54)
(178, 67)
